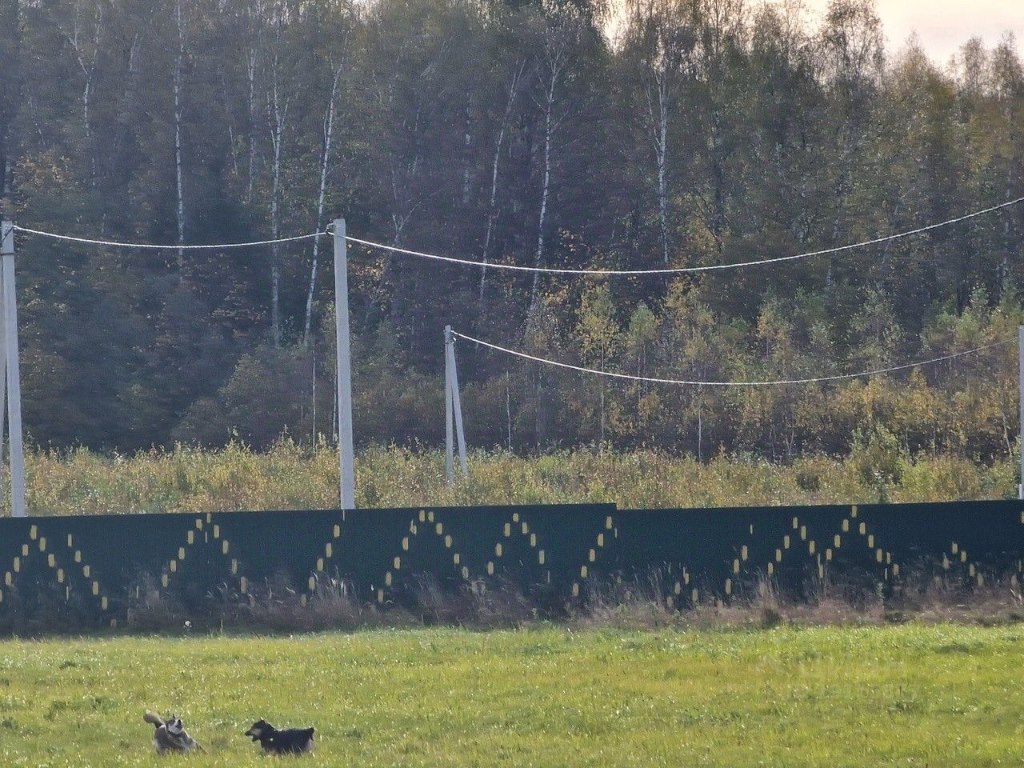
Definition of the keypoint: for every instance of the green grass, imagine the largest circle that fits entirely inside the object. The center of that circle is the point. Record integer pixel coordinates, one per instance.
(941, 695)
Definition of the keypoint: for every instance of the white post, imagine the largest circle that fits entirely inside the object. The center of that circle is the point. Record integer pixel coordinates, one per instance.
(449, 447)
(10, 311)
(3, 376)
(3, 386)
(345, 448)
(452, 410)
(1020, 431)
(457, 408)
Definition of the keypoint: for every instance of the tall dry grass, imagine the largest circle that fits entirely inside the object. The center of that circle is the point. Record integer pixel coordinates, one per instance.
(290, 476)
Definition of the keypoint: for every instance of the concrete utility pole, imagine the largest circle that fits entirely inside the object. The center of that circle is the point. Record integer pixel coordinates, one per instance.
(12, 369)
(346, 452)
(452, 410)
(1020, 431)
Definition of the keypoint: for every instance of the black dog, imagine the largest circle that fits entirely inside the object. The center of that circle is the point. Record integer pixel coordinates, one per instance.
(289, 741)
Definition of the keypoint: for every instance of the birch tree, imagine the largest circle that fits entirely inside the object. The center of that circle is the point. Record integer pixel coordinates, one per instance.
(325, 161)
(662, 42)
(719, 25)
(853, 56)
(599, 338)
(82, 34)
(514, 84)
(559, 35)
(277, 117)
(179, 64)
(252, 53)
(10, 63)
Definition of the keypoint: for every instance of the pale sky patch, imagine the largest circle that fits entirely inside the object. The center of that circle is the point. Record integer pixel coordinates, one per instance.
(942, 26)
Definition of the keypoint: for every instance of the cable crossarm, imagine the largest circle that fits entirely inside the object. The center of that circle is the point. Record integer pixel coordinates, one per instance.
(764, 383)
(155, 247)
(688, 270)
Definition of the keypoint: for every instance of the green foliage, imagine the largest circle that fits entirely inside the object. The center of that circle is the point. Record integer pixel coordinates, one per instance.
(706, 134)
(546, 696)
(268, 394)
(879, 459)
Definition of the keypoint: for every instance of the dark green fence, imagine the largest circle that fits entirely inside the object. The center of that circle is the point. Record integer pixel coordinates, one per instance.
(90, 568)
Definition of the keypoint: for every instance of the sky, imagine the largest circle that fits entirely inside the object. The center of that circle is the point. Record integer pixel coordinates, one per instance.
(942, 26)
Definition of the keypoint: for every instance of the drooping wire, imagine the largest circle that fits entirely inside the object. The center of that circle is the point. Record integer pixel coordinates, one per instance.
(685, 270)
(764, 383)
(151, 246)
(523, 268)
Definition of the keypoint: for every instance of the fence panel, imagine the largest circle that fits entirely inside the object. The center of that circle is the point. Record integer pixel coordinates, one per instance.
(89, 568)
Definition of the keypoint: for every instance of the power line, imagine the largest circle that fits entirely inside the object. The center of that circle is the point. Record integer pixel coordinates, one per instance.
(766, 383)
(687, 270)
(150, 246)
(521, 268)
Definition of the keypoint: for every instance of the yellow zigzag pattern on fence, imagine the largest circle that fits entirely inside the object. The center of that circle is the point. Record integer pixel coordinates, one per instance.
(851, 530)
(520, 528)
(40, 543)
(599, 544)
(209, 530)
(427, 523)
(786, 547)
(961, 557)
(321, 561)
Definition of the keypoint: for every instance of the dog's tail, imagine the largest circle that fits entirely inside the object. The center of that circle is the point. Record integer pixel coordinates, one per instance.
(152, 717)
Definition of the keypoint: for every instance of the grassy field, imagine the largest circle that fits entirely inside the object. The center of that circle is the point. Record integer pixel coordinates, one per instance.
(940, 695)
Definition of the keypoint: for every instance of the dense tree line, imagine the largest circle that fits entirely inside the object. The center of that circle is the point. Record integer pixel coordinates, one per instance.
(560, 133)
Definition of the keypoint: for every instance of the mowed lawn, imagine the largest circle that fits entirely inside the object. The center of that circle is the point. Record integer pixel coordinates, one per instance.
(905, 695)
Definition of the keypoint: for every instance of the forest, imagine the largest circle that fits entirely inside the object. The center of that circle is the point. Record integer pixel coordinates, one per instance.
(652, 134)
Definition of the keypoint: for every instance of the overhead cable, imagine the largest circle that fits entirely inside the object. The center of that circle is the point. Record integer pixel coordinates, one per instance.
(150, 246)
(686, 270)
(516, 267)
(765, 383)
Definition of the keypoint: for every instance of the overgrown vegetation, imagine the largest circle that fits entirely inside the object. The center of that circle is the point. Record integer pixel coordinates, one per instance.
(638, 602)
(939, 695)
(288, 476)
(705, 133)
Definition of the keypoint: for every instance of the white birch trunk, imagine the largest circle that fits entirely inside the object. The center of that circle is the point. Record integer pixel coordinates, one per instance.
(278, 114)
(556, 62)
(601, 382)
(127, 99)
(87, 64)
(662, 159)
(513, 90)
(467, 162)
(225, 93)
(658, 107)
(178, 66)
(250, 71)
(324, 165)
(545, 185)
